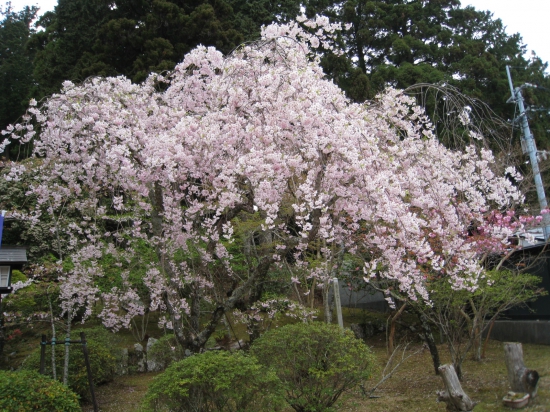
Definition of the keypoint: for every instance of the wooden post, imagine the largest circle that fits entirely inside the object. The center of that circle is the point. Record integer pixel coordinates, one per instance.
(43, 344)
(338, 303)
(521, 379)
(88, 369)
(454, 396)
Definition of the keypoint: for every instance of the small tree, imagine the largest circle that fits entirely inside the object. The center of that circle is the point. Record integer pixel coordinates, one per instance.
(463, 316)
(316, 363)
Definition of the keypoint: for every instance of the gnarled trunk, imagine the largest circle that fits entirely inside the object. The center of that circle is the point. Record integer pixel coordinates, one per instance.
(454, 396)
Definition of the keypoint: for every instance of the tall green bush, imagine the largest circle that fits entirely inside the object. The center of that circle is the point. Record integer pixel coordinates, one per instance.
(29, 391)
(102, 362)
(316, 363)
(215, 382)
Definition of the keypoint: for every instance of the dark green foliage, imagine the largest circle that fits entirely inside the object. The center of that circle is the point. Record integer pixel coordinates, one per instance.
(84, 38)
(166, 351)
(102, 361)
(29, 391)
(16, 78)
(251, 15)
(215, 382)
(316, 363)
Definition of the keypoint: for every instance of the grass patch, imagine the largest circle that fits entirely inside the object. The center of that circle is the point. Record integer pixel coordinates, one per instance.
(414, 386)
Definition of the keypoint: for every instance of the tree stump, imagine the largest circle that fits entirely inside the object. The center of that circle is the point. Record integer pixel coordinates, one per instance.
(521, 379)
(455, 397)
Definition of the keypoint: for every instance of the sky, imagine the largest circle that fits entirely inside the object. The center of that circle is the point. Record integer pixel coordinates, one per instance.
(530, 18)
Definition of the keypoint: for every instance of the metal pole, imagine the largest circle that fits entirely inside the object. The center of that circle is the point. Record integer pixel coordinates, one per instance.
(88, 369)
(531, 149)
(338, 302)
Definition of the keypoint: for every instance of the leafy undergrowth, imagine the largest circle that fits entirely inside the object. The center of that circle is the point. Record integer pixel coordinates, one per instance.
(412, 388)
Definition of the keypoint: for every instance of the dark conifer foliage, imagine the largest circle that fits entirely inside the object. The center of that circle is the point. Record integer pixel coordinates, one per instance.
(16, 72)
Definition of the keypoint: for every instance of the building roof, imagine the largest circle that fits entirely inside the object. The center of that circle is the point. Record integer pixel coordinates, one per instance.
(11, 254)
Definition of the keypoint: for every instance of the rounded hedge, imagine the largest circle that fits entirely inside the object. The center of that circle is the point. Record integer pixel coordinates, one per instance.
(24, 391)
(315, 362)
(215, 381)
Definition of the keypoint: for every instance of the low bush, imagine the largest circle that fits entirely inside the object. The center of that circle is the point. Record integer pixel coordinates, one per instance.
(29, 391)
(102, 362)
(315, 362)
(215, 382)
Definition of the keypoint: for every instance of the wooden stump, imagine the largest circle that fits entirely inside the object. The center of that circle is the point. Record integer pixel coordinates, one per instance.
(521, 379)
(455, 397)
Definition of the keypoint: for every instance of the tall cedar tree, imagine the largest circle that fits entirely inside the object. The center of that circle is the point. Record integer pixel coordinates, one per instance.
(16, 80)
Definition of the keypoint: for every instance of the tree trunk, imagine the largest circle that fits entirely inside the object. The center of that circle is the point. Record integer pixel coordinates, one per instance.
(521, 379)
(327, 301)
(393, 325)
(54, 367)
(488, 336)
(2, 337)
(67, 350)
(454, 396)
(428, 337)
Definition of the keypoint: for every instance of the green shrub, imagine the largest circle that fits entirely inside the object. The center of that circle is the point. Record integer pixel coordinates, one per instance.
(315, 362)
(166, 351)
(29, 391)
(215, 382)
(102, 362)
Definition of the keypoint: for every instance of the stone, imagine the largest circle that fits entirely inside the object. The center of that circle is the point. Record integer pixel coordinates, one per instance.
(121, 367)
(139, 358)
(153, 364)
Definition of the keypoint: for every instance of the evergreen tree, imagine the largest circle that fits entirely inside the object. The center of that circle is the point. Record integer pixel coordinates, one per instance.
(83, 38)
(251, 15)
(16, 80)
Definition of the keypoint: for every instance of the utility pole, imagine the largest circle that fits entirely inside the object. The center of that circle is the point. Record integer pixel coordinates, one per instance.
(529, 147)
